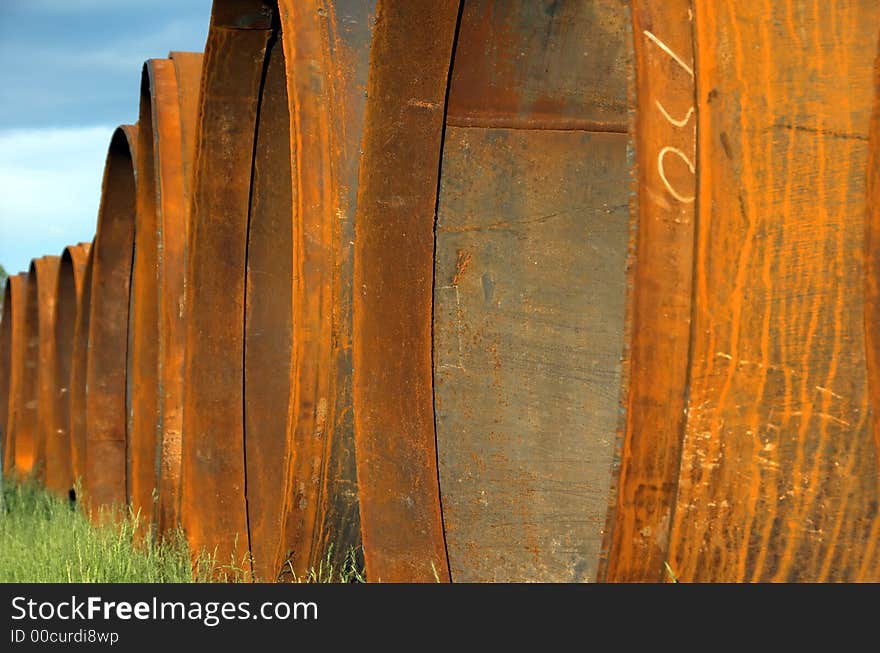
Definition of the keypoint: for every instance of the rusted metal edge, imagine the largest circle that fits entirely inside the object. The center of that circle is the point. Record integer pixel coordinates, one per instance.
(142, 357)
(326, 58)
(174, 200)
(661, 279)
(213, 504)
(78, 378)
(105, 419)
(12, 349)
(71, 271)
(40, 334)
(872, 258)
(268, 320)
(401, 520)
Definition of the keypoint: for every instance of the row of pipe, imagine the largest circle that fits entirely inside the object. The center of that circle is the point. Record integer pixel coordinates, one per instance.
(481, 291)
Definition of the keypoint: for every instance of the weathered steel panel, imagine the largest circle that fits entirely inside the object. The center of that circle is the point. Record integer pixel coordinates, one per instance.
(637, 535)
(401, 520)
(530, 285)
(213, 505)
(532, 239)
(779, 469)
(545, 64)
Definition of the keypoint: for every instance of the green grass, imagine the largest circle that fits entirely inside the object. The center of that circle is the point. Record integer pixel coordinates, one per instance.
(47, 539)
(350, 570)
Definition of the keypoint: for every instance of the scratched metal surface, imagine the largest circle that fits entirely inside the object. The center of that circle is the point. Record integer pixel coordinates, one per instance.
(541, 64)
(532, 236)
(779, 478)
(637, 534)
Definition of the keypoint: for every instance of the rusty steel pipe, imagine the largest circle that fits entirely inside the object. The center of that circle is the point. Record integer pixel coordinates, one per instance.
(301, 465)
(269, 330)
(778, 474)
(637, 532)
(175, 165)
(872, 258)
(26, 425)
(12, 356)
(155, 349)
(213, 506)
(401, 521)
(78, 376)
(40, 364)
(301, 497)
(142, 353)
(105, 414)
(71, 271)
(444, 311)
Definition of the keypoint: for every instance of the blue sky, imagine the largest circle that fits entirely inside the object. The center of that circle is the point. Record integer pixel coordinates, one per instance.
(70, 75)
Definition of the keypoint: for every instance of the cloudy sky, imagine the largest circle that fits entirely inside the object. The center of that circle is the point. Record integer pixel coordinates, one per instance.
(70, 75)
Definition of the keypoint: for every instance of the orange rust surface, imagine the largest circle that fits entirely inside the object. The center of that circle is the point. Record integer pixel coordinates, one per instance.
(327, 52)
(104, 473)
(26, 424)
(638, 529)
(401, 520)
(174, 201)
(872, 259)
(268, 323)
(12, 352)
(155, 353)
(142, 354)
(42, 285)
(213, 506)
(526, 66)
(779, 467)
(78, 376)
(71, 271)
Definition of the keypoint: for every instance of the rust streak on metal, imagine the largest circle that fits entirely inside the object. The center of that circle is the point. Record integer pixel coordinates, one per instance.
(637, 533)
(176, 118)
